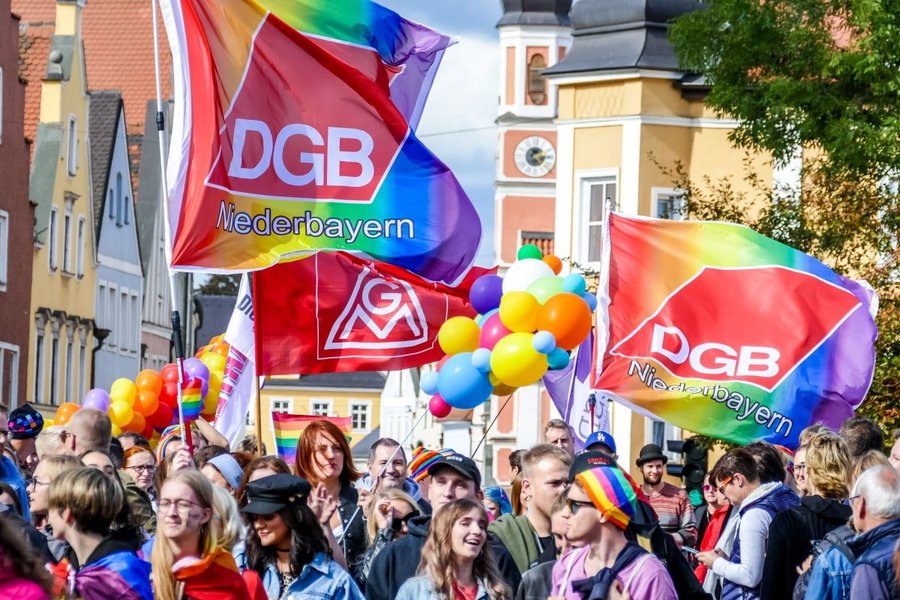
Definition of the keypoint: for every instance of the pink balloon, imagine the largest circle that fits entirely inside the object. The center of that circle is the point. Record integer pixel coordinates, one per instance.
(439, 407)
(492, 331)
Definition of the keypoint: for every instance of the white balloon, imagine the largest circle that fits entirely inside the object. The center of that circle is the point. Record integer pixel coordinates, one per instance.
(523, 273)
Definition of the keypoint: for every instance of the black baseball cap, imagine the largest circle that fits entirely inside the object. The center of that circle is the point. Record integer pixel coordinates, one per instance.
(270, 494)
(588, 460)
(463, 465)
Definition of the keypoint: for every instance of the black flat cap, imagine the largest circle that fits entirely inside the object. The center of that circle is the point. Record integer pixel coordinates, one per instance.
(270, 494)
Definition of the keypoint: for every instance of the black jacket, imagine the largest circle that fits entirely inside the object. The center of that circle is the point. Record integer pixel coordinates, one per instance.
(399, 561)
(791, 537)
(355, 539)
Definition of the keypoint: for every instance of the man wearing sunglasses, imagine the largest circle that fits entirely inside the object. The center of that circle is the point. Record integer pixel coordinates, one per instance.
(600, 505)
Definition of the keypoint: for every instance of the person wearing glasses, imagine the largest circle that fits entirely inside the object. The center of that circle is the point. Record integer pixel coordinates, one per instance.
(286, 545)
(738, 478)
(719, 529)
(188, 559)
(600, 504)
(387, 518)
(38, 486)
(140, 463)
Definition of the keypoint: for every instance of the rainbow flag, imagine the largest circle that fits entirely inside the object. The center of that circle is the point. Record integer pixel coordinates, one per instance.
(265, 165)
(192, 400)
(289, 428)
(725, 332)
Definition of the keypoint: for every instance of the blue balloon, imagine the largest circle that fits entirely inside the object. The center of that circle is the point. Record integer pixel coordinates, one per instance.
(429, 383)
(543, 342)
(481, 360)
(575, 284)
(461, 385)
(591, 300)
(558, 359)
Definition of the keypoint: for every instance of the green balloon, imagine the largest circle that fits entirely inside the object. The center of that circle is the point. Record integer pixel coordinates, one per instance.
(529, 251)
(545, 288)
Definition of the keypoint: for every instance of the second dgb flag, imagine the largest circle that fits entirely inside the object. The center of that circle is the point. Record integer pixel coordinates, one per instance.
(292, 134)
(725, 332)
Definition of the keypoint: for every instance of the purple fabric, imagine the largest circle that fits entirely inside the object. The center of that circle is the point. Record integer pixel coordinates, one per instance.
(564, 391)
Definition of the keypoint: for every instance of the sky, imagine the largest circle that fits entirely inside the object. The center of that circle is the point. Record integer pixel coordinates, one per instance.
(458, 121)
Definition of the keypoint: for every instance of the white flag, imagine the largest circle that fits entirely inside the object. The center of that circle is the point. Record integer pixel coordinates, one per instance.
(238, 387)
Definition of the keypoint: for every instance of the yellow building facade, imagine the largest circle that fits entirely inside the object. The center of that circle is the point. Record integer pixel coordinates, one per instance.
(354, 395)
(64, 265)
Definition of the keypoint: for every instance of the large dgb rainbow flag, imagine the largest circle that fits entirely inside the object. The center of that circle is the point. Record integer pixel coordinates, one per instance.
(725, 332)
(292, 133)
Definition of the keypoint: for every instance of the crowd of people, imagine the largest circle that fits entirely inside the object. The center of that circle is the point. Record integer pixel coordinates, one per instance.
(87, 515)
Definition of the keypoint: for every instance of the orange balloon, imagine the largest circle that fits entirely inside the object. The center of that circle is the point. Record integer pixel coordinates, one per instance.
(567, 317)
(221, 349)
(554, 263)
(146, 402)
(65, 412)
(150, 381)
(137, 423)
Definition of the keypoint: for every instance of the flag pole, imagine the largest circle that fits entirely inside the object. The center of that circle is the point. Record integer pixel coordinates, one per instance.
(177, 339)
(259, 442)
(257, 352)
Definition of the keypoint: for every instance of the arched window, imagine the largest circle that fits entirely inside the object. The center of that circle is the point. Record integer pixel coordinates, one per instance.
(536, 85)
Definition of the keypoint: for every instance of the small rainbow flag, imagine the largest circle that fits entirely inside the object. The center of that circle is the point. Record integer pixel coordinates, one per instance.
(192, 400)
(289, 428)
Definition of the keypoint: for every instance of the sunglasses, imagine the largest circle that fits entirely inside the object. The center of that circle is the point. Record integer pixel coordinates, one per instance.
(724, 485)
(398, 522)
(575, 505)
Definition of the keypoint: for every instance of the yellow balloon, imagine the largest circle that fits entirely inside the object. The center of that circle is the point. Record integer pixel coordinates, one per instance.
(116, 430)
(48, 423)
(519, 311)
(459, 334)
(123, 390)
(515, 362)
(215, 362)
(120, 413)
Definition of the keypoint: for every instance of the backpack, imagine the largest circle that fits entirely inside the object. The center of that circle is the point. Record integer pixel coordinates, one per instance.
(837, 539)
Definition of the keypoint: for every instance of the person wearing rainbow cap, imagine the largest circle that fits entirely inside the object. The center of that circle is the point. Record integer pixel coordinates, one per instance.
(600, 505)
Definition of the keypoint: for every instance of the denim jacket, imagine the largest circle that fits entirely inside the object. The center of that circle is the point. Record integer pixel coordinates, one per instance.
(831, 575)
(420, 588)
(322, 578)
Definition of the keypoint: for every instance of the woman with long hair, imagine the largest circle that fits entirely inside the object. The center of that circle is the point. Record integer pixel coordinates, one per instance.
(324, 459)
(456, 560)
(260, 467)
(286, 545)
(188, 560)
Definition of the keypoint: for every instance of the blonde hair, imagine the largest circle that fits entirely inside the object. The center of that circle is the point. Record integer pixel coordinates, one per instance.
(389, 494)
(438, 562)
(162, 558)
(867, 460)
(47, 441)
(813, 430)
(827, 464)
(226, 518)
(93, 498)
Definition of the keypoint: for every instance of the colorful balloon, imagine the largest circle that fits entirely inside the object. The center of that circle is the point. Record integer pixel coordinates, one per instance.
(459, 334)
(214, 362)
(194, 368)
(484, 295)
(574, 284)
(519, 311)
(567, 317)
(545, 288)
(149, 380)
(116, 430)
(529, 251)
(146, 403)
(481, 360)
(96, 398)
(137, 423)
(544, 342)
(65, 411)
(492, 331)
(120, 413)
(558, 359)
(554, 263)
(428, 382)
(123, 390)
(591, 300)
(169, 373)
(169, 394)
(438, 407)
(461, 384)
(515, 362)
(162, 418)
(523, 273)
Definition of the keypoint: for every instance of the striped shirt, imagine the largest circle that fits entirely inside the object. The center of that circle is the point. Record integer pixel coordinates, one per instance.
(676, 515)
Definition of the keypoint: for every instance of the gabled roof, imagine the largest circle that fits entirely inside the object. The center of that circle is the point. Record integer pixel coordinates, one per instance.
(535, 12)
(106, 108)
(148, 189)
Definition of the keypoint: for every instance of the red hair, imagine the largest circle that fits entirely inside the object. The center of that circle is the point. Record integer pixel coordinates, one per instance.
(306, 449)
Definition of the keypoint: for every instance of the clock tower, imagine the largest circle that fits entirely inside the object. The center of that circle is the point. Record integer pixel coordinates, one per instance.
(534, 35)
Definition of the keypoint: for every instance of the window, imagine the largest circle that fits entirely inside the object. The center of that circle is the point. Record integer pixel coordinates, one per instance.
(111, 201)
(101, 304)
(359, 416)
(668, 204)
(124, 322)
(67, 241)
(321, 408)
(112, 312)
(120, 205)
(70, 348)
(136, 324)
(39, 363)
(82, 364)
(537, 87)
(4, 246)
(54, 368)
(283, 406)
(53, 238)
(9, 375)
(79, 251)
(596, 191)
(72, 148)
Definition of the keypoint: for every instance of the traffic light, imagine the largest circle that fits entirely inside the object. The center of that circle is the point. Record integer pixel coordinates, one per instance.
(693, 468)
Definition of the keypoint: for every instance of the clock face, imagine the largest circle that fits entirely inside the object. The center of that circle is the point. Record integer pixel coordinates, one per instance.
(535, 156)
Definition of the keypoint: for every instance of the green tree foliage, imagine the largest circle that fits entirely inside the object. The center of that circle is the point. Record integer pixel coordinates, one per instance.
(850, 224)
(221, 285)
(802, 73)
